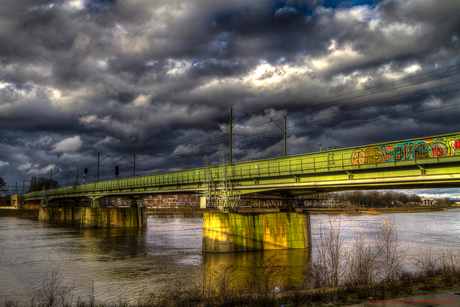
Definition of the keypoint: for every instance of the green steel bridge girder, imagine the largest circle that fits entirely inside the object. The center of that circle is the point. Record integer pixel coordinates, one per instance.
(424, 163)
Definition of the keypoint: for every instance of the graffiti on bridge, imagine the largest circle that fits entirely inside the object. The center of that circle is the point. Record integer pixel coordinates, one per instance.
(429, 148)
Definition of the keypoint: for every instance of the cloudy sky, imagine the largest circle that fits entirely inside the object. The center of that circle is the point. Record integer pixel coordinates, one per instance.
(156, 79)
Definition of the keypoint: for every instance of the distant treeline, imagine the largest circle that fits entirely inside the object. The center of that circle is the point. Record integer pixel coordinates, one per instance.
(380, 199)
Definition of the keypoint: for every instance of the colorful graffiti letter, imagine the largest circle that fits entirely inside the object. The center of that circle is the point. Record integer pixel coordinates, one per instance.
(406, 151)
(358, 157)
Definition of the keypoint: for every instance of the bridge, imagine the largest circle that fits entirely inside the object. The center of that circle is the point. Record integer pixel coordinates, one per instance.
(429, 162)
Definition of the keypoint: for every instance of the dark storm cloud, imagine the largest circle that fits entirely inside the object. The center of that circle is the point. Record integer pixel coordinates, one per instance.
(157, 79)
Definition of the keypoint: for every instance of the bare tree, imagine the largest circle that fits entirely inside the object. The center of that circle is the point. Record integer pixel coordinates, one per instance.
(2, 184)
(41, 182)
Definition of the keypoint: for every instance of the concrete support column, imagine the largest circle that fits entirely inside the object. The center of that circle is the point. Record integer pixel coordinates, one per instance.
(113, 217)
(134, 200)
(238, 232)
(95, 201)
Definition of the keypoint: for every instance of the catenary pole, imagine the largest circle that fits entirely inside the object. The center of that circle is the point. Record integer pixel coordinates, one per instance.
(231, 134)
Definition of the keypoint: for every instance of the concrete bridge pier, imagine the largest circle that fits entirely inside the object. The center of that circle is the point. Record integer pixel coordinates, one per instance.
(113, 217)
(59, 213)
(134, 200)
(241, 232)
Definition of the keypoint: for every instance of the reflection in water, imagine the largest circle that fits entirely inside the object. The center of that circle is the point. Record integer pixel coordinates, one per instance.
(290, 262)
(117, 243)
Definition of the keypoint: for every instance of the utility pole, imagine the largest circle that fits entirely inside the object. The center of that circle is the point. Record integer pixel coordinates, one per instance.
(77, 176)
(134, 164)
(98, 154)
(98, 162)
(231, 135)
(23, 186)
(231, 131)
(285, 133)
(285, 139)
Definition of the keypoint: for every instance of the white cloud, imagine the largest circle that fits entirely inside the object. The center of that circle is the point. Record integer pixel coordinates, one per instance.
(35, 169)
(73, 5)
(90, 121)
(141, 100)
(44, 140)
(25, 166)
(182, 149)
(4, 163)
(107, 140)
(68, 145)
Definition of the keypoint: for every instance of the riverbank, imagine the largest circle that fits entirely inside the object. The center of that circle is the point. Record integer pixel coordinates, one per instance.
(430, 289)
(408, 209)
(197, 212)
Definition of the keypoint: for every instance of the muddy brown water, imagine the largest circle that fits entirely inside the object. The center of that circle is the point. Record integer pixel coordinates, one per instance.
(126, 264)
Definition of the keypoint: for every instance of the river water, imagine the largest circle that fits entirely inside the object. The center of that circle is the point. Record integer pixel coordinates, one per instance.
(125, 264)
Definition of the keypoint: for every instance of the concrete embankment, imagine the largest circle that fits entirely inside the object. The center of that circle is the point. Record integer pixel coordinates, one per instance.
(33, 213)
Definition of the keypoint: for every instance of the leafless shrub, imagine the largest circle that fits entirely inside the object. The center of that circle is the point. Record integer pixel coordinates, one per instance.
(264, 276)
(56, 291)
(428, 263)
(431, 263)
(328, 267)
(172, 293)
(449, 262)
(390, 257)
(360, 262)
(204, 289)
(225, 280)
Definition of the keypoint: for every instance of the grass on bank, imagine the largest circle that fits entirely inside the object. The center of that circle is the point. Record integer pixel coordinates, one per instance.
(291, 297)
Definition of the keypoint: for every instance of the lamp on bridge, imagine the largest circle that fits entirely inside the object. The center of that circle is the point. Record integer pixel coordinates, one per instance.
(116, 171)
(319, 144)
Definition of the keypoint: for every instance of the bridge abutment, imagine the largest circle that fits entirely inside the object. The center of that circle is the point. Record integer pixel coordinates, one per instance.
(113, 217)
(240, 232)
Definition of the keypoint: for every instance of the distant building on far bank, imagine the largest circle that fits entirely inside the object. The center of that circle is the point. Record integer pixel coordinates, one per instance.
(429, 202)
(167, 201)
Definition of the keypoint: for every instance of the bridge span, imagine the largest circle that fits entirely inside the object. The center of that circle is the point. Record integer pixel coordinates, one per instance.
(428, 162)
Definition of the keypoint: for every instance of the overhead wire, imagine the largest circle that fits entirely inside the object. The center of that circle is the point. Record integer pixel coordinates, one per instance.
(349, 114)
(375, 93)
(164, 147)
